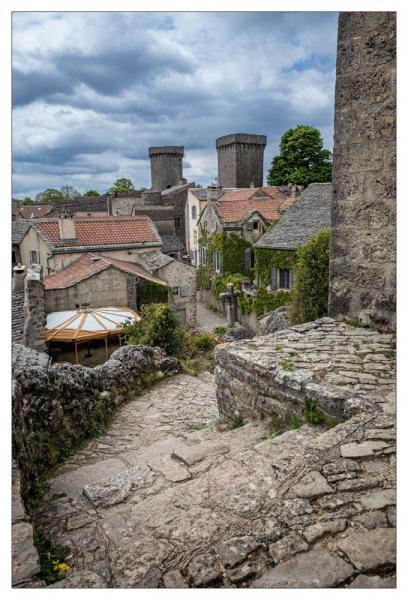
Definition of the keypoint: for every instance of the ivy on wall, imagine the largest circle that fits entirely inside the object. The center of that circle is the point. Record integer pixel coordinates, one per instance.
(266, 258)
(263, 302)
(149, 292)
(232, 252)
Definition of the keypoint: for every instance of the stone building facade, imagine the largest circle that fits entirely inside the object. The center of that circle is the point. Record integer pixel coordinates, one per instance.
(240, 160)
(363, 246)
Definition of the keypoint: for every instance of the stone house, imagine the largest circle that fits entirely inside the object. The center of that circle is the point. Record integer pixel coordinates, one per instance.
(98, 281)
(55, 243)
(275, 251)
(19, 228)
(196, 202)
(243, 213)
(181, 279)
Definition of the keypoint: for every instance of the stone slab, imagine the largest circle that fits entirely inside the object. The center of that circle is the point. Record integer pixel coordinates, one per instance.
(370, 550)
(73, 482)
(118, 488)
(380, 499)
(314, 569)
(233, 551)
(373, 582)
(24, 558)
(311, 485)
(360, 449)
(194, 454)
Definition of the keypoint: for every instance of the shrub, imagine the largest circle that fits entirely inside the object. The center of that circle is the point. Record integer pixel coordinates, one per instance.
(203, 342)
(159, 326)
(311, 413)
(220, 329)
(311, 291)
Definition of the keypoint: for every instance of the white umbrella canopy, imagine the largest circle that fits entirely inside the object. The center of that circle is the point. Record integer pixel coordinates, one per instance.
(87, 323)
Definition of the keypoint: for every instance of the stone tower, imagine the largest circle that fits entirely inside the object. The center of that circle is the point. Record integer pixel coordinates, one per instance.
(240, 160)
(363, 241)
(166, 164)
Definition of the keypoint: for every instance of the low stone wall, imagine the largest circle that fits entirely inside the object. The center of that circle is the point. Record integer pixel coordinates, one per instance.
(334, 364)
(55, 408)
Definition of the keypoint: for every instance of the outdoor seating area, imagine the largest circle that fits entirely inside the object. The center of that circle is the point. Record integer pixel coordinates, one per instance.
(66, 331)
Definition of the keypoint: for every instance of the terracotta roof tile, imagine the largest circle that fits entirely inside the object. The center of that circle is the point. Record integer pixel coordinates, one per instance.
(89, 264)
(102, 231)
(236, 205)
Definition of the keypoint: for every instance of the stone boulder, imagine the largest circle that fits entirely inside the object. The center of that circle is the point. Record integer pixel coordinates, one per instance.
(274, 321)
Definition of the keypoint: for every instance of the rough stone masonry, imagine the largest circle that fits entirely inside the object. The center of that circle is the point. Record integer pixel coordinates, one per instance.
(363, 243)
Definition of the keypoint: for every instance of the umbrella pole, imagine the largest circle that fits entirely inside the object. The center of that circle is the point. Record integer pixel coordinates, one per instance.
(106, 347)
(76, 353)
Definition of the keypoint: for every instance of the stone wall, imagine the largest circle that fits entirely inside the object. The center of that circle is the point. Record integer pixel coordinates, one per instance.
(55, 408)
(34, 312)
(182, 276)
(106, 288)
(363, 245)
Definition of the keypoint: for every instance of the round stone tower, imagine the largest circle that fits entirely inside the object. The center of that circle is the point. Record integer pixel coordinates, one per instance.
(166, 164)
(240, 160)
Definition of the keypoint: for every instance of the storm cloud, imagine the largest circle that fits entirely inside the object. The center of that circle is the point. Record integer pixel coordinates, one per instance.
(92, 91)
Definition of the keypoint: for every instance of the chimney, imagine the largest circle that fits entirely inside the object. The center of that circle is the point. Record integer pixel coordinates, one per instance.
(66, 227)
(18, 278)
(213, 193)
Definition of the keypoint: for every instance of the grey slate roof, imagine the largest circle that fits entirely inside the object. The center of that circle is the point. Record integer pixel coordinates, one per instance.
(19, 229)
(307, 215)
(154, 260)
(199, 193)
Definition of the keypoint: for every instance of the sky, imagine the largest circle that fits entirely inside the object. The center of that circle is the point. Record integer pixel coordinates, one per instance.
(93, 90)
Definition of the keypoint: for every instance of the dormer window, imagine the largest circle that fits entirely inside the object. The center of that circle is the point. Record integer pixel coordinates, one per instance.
(256, 224)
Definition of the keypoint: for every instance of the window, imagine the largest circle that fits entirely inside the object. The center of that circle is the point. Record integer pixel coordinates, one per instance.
(284, 279)
(203, 256)
(195, 237)
(193, 212)
(178, 222)
(217, 262)
(204, 225)
(34, 257)
(256, 224)
(248, 259)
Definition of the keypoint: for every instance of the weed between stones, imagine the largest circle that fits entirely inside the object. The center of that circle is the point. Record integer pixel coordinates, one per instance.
(286, 365)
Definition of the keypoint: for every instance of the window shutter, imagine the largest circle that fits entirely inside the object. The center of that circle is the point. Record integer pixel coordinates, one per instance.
(184, 291)
(274, 279)
(292, 278)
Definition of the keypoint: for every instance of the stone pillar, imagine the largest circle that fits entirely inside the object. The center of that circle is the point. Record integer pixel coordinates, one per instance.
(363, 243)
(34, 312)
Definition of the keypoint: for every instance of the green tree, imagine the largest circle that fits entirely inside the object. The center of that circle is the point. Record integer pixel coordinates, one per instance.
(50, 195)
(92, 193)
(122, 186)
(159, 326)
(311, 292)
(27, 200)
(302, 159)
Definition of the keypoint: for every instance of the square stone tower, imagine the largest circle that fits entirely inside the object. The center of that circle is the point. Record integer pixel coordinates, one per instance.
(240, 160)
(363, 239)
(166, 163)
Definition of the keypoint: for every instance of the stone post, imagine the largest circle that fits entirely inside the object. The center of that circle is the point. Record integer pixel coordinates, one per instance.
(34, 312)
(230, 298)
(18, 278)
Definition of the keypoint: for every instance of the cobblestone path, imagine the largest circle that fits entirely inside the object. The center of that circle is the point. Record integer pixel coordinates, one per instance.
(165, 499)
(208, 319)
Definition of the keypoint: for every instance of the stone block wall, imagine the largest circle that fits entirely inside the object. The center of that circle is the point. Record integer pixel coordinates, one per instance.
(363, 245)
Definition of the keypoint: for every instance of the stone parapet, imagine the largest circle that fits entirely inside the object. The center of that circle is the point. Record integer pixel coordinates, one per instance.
(336, 365)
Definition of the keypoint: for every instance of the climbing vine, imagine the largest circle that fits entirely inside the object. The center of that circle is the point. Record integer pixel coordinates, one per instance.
(263, 302)
(232, 252)
(265, 259)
